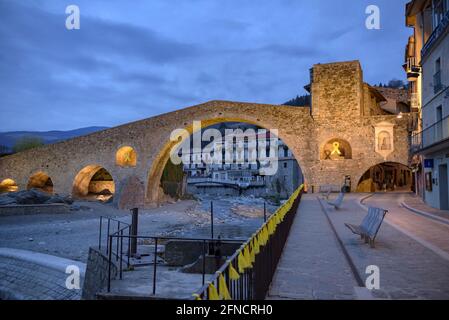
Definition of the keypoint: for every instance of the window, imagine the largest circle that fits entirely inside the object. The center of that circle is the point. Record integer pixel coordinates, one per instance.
(439, 9)
(439, 124)
(439, 114)
(285, 165)
(437, 86)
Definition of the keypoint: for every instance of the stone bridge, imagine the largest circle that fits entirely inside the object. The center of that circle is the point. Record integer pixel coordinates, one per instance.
(344, 110)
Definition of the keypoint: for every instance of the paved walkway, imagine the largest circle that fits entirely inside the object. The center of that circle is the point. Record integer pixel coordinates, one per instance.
(430, 232)
(27, 275)
(312, 265)
(415, 203)
(410, 253)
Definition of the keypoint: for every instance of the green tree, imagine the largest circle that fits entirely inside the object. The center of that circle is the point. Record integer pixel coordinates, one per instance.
(3, 149)
(26, 143)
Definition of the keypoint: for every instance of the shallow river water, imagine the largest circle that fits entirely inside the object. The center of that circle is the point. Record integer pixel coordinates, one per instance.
(227, 224)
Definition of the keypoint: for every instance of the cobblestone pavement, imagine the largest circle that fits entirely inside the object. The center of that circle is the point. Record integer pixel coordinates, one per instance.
(26, 275)
(408, 269)
(427, 230)
(312, 266)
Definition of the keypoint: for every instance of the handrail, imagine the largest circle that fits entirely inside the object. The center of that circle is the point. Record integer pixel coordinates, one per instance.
(430, 136)
(118, 237)
(247, 275)
(109, 224)
(439, 30)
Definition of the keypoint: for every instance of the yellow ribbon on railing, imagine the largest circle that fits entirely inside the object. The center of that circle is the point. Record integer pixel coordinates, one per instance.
(255, 246)
(242, 263)
(213, 293)
(233, 274)
(224, 292)
(247, 256)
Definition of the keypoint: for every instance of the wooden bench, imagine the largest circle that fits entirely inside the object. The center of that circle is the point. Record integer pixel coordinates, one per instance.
(338, 202)
(370, 225)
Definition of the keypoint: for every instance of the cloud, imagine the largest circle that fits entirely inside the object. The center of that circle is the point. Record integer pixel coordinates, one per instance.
(131, 61)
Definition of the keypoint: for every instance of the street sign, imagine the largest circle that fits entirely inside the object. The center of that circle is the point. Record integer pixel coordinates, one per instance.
(428, 163)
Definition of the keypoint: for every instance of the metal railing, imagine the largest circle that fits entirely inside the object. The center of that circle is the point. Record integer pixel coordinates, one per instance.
(256, 261)
(226, 182)
(412, 68)
(117, 250)
(107, 228)
(414, 100)
(430, 136)
(439, 30)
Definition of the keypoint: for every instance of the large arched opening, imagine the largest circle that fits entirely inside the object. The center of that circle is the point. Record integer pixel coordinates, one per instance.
(166, 178)
(387, 177)
(94, 182)
(42, 181)
(8, 185)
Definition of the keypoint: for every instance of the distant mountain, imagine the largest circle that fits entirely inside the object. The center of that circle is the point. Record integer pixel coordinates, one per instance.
(8, 139)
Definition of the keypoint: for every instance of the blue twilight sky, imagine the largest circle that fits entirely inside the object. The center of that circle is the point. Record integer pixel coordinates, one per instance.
(134, 59)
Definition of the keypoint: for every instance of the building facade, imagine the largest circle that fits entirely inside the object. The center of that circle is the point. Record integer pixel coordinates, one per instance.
(244, 177)
(427, 67)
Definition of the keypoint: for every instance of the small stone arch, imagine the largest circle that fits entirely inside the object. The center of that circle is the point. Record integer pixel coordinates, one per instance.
(93, 182)
(126, 157)
(42, 181)
(8, 185)
(336, 149)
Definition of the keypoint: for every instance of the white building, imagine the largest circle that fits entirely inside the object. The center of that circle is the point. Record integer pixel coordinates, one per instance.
(427, 68)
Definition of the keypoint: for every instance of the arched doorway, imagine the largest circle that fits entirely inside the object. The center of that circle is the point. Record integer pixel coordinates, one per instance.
(8, 185)
(387, 177)
(94, 182)
(41, 181)
(166, 177)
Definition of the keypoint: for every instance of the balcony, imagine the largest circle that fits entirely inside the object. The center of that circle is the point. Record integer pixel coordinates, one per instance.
(412, 68)
(431, 137)
(439, 30)
(415, 102)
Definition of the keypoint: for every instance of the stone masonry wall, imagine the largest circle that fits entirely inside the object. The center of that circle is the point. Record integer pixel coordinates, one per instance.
(96, 278)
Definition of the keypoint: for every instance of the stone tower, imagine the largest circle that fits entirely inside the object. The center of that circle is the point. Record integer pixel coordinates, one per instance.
(337, 90)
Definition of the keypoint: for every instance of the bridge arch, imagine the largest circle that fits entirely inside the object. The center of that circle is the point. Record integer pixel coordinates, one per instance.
(42, 181)
(93, 180)
(163, 156)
